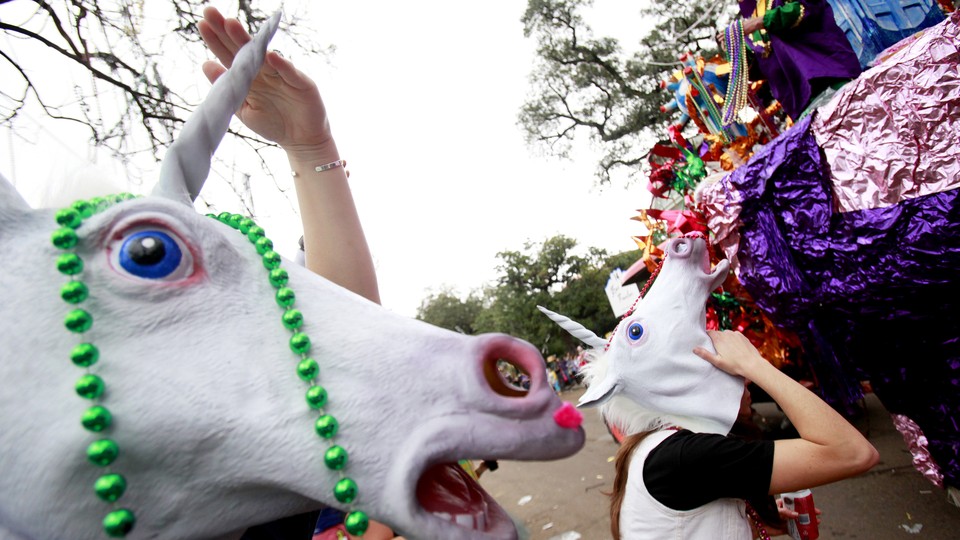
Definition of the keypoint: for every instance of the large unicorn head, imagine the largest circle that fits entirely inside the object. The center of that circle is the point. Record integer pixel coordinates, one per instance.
(648, 375)
(160, 380)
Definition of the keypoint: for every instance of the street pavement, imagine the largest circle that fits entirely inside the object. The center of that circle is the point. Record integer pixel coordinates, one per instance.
(566, 499)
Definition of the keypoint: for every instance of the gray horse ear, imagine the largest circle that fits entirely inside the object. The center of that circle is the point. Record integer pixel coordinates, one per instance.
(11, 202)
(187, 162)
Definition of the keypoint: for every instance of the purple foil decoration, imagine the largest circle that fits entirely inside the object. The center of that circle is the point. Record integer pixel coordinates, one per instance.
(873, 292)
(917, 444)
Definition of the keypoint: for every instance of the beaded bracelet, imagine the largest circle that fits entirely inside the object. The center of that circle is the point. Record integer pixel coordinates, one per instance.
(325, 167)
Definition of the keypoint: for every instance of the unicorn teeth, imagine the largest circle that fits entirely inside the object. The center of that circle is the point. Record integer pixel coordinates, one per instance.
(476, 521)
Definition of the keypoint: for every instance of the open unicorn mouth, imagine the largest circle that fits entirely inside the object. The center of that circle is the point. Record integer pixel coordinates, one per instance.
(448, 492)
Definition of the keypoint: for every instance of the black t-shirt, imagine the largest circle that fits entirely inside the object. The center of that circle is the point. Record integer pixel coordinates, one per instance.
(688, 469)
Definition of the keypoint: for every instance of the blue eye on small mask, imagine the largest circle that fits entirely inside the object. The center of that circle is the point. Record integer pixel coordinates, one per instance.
(150, 254)
(635, 331)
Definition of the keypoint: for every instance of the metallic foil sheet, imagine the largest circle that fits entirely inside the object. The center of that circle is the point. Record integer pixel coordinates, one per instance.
(894, 133)
(872, 294)
(917, 444)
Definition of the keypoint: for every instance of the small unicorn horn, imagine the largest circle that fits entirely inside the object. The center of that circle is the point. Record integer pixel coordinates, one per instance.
(576, 329)
(187, 162)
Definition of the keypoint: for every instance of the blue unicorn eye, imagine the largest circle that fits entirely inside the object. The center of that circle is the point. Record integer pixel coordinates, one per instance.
(150, 254)
(635, 331)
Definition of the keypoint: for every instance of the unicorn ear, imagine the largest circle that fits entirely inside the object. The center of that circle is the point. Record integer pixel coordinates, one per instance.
(11, 202)
(576, 329)
(599, 393)
(187, 162)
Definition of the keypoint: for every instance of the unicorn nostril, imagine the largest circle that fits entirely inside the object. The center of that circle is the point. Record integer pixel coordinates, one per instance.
(506, 378)
(512, 367)
(681, 247)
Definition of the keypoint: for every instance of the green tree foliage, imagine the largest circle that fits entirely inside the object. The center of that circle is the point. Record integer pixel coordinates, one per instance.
(446, 310)
(589, 86)
(552, 274)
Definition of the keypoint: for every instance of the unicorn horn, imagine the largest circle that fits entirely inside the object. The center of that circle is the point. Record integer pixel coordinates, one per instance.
(576, 329)
(187, 163)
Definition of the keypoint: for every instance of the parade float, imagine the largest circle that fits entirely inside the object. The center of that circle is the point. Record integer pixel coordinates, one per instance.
(841, 225)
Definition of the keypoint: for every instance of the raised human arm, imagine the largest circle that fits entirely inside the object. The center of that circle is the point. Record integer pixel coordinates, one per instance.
(829, 447)
(284, 106)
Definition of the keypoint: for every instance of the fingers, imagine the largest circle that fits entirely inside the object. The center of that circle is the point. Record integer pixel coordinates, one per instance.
(223, 36)
(706, 355)
(287, 71)
(213, 70)
(237, 34)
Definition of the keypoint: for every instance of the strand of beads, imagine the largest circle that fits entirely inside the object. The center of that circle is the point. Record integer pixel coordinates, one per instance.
(326, 425)
(738, 84)
(761, 530)
(109, 486)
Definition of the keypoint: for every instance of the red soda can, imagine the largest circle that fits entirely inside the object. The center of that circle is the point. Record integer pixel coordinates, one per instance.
(804, 526)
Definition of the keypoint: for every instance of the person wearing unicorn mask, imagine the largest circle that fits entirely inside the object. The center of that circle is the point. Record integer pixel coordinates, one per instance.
(677, 392)
(284, 106)
(676, 483)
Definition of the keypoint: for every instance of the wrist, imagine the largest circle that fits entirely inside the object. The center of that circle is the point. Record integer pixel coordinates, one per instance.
(311, 155)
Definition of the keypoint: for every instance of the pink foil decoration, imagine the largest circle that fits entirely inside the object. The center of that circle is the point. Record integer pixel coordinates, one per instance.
(917, 444)
(720, 203)
(894, 133)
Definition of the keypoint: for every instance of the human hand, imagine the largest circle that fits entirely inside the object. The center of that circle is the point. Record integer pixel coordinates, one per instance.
(283, 105)
(735, 354)
(750, 26)
(786, 514)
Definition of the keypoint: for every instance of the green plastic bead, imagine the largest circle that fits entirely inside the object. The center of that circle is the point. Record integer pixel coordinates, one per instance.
(119, 523)
(84, 208)
(90, 386)
(292, 319)
(110, 487)
(279, 277)
(74, 292)
(64, 238)
(308, 369)
(327, 426)
(102, 452)
(84, 355)
(346, 490)
(271, 260)
(316, 397)
(224, 217)
(263, 245)
(300, 343)
(70, 264)
(96, 418)
(68, 217)
(211, 215)
(285, 297)
(78, 321)
(245, 225)
(356, 523)
(99, 203)
(234, 220)
(335, 457)
(255, 233)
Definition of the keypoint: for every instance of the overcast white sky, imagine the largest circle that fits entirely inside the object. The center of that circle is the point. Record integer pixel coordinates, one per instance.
(423, 98)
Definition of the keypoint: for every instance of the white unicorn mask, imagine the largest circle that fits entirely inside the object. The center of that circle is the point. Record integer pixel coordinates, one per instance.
(186, 399)
(649, 375)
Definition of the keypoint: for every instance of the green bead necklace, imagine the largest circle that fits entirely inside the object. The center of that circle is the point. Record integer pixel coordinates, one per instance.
(102, 452)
